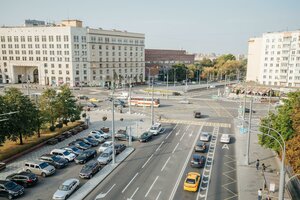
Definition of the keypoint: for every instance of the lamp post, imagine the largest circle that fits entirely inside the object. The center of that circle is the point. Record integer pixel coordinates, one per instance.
(113, 127)
(152, 106)
(149, 71)
(186, 80)
(129, 96)
(174, 76)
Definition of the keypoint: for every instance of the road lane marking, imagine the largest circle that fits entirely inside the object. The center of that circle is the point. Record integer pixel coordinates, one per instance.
(175, 148)
(151, 186)
(182, 136)
(130, 182)
(225, 146)
(177, 133)
(102, 195)
(184, 166)
(159, 146)
(171, 131)
(134, 193)
(158, 195)
(165, 164)
(147, 161)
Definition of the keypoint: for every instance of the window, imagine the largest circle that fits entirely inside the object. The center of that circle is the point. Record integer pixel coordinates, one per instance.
(66, 38)
(58, 38)
(36, 38)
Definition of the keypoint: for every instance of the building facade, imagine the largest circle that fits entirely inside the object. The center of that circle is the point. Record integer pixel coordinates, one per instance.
(68, 53)
(276, 61)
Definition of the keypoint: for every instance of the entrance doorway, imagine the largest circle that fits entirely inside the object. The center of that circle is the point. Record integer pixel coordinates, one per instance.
(36, 76)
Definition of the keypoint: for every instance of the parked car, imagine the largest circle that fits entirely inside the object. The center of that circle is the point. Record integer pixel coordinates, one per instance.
(60, 138)
(10, 189)
(100, 133)
(23, 178)
(122, 136)
(64, 154)
(56, 161)
(119, 148)
(89, 141)
(91, 105)
(205, 136)
(106, 156)
(155, 129)
(119, 103)
(66, 189)
(73, 131)
(90, 169)
(197, 161)
(39, 168)
(86, 156)
(200, 146)
(82, 145)
(247, 110)
(82, 97)
(197, 114)
(225, 138)
(146, 136)
(2, 165)
(73, 149)
(104, 146)
(94, 100)
(184, 101)
(192, 182)
(67, 134)
(97, 137)
(52, 141)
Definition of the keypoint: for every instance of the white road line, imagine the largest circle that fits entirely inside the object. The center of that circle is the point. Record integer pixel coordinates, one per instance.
(134, 193)
(175, 148)
(158, 195)
(102, 195)
(184, 166)
(151, 186)
(159, 146)
(165, 164)
(171, 131)
(177, 133)
(182, 136)
(129, 182)
(147, 161)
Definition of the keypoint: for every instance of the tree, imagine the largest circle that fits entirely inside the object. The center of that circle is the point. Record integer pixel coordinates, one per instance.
(3, 124)
(180, 71)
(23, 123)
(48, 106)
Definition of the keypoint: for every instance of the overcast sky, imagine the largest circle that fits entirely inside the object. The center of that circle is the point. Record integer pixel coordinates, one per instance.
(199, 26)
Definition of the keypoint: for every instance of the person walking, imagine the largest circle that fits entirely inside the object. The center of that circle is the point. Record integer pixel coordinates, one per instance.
(263, 167)
(259, 194)
(257, 164)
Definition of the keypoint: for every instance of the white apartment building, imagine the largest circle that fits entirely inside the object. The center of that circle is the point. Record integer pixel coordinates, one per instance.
(68, 53)
(274, 59)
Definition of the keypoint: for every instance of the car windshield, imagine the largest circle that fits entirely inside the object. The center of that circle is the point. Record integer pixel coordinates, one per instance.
(82, 144)
(104, 155)
(190, 181)
(44, 165)
(56, 158)
(106, 145)
(74, 149)
(196, 157)
(82, 156)
(87, 167)
(153, 128)
(204, 134)
(10, 185)
(64, 187)
(97, 136)
(199, 144)
(66, 153)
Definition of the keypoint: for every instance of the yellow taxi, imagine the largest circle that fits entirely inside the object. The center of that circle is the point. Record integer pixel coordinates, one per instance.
(94, 100)
(192, 182)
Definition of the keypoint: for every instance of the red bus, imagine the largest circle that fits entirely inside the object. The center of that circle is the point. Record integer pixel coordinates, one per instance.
(144, 101)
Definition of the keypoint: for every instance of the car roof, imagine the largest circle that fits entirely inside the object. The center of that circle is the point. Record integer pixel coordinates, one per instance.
(37, 162)
(156, 124)
(196, 156)
(58, 150)
(47, 155)
(69, 181)
(225, 135)
(193, 175)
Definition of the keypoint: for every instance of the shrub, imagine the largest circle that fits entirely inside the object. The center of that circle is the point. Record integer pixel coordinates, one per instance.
(176, 94)
(65, 121)
(52, 128)
(84, 115)
(121, 119)
(73, 119)
(59, 125)
(104, 118)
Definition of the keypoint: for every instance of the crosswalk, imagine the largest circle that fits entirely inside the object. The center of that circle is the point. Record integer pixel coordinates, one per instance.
(200, 123)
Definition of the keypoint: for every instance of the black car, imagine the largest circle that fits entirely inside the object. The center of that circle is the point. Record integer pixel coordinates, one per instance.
(119, 148)
(52, 141)
(60, 138)
(145, 137)
(86, 156)
(197, 161)
(200, 146)
(247, 110)
(81, 145)
(89, 169)
(119, 102)
(89, 141)
(197, 114)
(23, 178)
(56, 161)
(10, 189)
(92, 105)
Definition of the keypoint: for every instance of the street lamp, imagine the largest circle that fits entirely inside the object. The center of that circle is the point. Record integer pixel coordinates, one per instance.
(174, 76)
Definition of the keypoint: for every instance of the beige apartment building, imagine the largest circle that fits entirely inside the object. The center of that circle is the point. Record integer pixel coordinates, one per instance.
(68, 53)
(274, 59)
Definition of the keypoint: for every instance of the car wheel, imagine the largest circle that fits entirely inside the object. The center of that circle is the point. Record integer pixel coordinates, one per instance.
(90, 176)
(95, 155)
(25, 185)
(84, 161)
(43, 175)
(10, 196)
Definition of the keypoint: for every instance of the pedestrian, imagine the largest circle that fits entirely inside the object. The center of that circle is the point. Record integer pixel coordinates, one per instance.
(268, 198)
(263, 167)
(259, 194)
(257, 164)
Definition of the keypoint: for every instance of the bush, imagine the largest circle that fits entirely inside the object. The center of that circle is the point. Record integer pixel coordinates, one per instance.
(65, 121)
(59, 125)
(104, 118)
(52, 128)
(84, 115)
(176, 94)
(121, 119)
(77, 117)
(73, 119)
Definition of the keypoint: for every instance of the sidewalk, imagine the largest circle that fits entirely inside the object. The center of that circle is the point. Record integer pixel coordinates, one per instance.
(251, 180)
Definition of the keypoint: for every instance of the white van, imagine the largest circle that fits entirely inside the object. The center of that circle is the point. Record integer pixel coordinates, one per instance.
(64, 154)
(156, 129)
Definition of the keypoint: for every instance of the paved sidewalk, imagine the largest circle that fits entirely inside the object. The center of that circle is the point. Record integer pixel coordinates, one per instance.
(251, 180)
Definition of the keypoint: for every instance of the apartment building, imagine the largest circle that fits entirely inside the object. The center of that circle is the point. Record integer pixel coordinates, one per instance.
(274, 59)
(68, 53)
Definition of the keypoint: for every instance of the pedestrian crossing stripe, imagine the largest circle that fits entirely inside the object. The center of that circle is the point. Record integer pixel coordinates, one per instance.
(200, 123)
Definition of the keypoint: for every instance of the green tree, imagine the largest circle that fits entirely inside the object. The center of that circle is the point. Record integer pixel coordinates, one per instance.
(48, 106)
(181, 71)
(3, 122)
(23, 123)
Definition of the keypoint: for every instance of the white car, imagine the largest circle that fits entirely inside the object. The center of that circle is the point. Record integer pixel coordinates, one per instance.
(64, 154)
(66, 189)
(97, 137)
(105, 157)
(100, 133)
(105, 145)
(212, 86)
(155, 129)
(205, 136)
(225, 138)
(184, 101)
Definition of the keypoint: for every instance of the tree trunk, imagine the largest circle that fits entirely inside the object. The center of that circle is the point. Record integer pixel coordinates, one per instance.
(21, 138)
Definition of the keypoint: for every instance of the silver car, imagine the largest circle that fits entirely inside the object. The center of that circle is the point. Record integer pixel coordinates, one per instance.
(105, 157)
(205, 136)
(66, 189)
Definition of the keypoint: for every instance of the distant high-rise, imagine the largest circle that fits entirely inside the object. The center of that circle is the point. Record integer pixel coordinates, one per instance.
(274, 59)
(54, 54)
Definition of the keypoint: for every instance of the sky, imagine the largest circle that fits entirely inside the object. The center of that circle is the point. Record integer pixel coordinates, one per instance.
(198, 26)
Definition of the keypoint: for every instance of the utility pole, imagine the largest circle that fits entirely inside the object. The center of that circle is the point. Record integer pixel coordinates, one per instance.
(129, 98)
(113, 127)
(168, 79)
(152, 106)
(186, 81)
(249, 127)
(174, 76)
(244, 107)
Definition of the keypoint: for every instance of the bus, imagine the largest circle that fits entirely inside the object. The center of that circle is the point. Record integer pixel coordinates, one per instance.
(144, 101)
